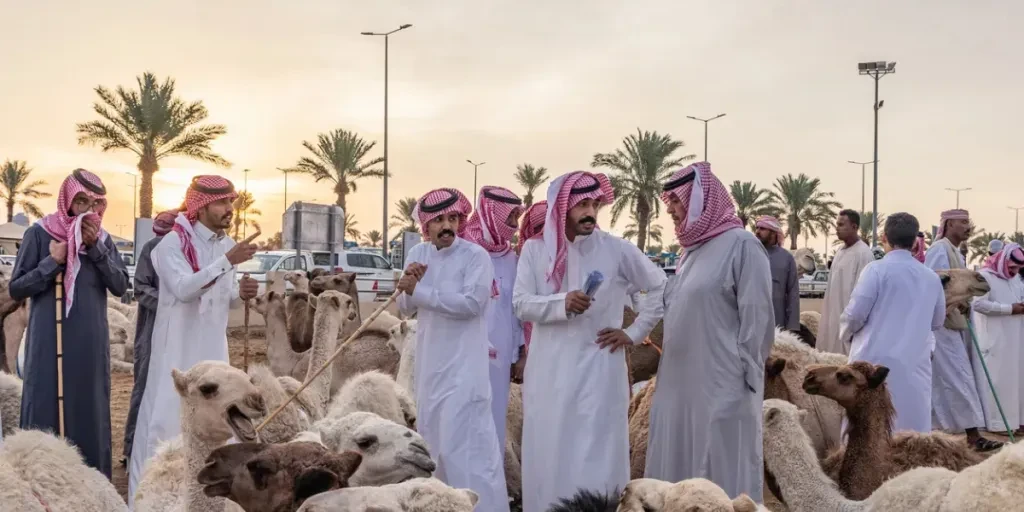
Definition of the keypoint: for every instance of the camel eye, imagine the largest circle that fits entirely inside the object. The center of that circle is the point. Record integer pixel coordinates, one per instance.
(844, 378)
(364, 443)
(209, 390)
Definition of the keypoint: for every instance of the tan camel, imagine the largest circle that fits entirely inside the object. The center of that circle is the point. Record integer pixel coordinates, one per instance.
(280, 356)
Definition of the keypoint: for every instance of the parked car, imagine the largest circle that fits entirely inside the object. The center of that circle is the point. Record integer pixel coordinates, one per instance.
(7, 260)
(274, 261)
(375, 278)
(128, 257)
(814, 285)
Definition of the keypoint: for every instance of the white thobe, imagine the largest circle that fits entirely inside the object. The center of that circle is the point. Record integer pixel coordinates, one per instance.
(576, 394)
(719, 327)
(190, 326)
(1000, 335)
(842, 278)
(896, 305)
(505, 333)
(956, 405)
(453, 391)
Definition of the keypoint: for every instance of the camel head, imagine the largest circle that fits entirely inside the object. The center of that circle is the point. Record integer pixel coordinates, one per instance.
(270, 301)
(701, 495)
(424, 494)
(402, 333)
(391, 452)
(344, 282)
(298, 279)
(960, 287)
(336, 304)
(275, 477)
(845, 384)
(218, 401)
(805, 260)
(774, 385)
(643, 494)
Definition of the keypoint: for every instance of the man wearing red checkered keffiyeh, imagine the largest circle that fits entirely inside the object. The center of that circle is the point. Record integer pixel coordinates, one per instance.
(575, 355)
(70, 242)
(195, 264)
(448, 283)
(719, 327)
(785, 276)
(531, 228)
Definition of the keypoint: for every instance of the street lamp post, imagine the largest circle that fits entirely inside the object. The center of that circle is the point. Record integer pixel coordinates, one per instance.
(1016, 220)
(474, 173)
(958, 190)
(861, 164)
(876, 70)
(705, 121)
(384, 229)
(285, 172)
(135, 195)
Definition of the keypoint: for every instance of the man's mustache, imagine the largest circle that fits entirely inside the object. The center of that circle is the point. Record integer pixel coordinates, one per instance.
(585, 220)
(446, 232)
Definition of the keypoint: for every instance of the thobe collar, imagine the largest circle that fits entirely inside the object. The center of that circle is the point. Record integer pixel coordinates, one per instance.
(900, 253)
(206, 234)
(583, 243)
(448, 251)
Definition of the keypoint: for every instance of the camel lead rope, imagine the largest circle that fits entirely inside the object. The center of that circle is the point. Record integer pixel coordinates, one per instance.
(310, 378)
(245, 332)
(995, 396)
(59, 295)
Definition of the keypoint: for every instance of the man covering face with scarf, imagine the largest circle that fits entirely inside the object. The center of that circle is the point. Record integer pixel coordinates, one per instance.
(70, 242)
(195, 264)
(719, 327)
(575, 433)
(449, 284)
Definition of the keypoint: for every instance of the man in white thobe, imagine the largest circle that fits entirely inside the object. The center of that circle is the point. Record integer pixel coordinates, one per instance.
(719, 327)
(447, 283)
(999, 324)
(491, 226)
(847, 265)
(896, 305)
(956, 405)
(195, 264)
(576, 390)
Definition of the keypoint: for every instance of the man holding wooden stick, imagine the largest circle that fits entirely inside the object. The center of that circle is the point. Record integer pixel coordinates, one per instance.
(448, 282)
(70, 243)
(195, 265)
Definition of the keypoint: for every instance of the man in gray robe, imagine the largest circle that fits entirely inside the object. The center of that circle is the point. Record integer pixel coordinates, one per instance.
(719, 327)
(147, 286)
(785, 277)
(71, 242)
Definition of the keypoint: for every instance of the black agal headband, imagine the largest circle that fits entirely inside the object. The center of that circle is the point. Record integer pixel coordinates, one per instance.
(509, 200)
(678, 182)
(434, 208)
(195, 185)
(90, 186)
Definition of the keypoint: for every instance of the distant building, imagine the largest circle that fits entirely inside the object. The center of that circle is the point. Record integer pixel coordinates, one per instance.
(11, 235)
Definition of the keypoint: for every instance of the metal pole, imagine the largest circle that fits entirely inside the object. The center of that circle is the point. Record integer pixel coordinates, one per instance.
(874, 199)
(862, 186)
(245, 180)
(705, 141)
(384, 218)
(475, 165)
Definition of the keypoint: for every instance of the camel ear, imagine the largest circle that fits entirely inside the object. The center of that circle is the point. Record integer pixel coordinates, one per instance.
(775, 366)
(270, 295)
(403, 327)
(314, 481)
(743, 503)
(351, 278)
(180, 382)
(877, 377)
(260, 470)
(336, 301)
(473, 496)
(944, 278)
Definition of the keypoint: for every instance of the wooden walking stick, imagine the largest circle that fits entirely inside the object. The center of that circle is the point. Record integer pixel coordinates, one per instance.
(60, 351)
(366, 323)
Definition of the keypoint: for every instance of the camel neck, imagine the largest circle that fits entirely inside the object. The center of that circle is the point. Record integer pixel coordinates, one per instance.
(800, 478)
(865, 463)
(196, 452)
(326, 325)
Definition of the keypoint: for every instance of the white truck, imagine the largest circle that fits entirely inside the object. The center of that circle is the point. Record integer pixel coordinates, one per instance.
(814, 285)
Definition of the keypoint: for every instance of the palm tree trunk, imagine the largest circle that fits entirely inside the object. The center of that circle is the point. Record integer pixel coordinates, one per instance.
(744, 220)
(147, 166)
(10, 210)
(794, 232)
(643, 214)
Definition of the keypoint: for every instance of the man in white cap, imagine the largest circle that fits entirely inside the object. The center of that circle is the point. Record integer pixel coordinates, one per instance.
(994, 246)
(785, 277)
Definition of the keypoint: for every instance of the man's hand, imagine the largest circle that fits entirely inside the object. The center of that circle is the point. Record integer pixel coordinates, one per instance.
(90, 233)
(247, 287)
(58, 251)
(242, 251)
(519, 368)
(576, 302)
(1018, 309)
(614, 338)
(416, 269)
(412, 276)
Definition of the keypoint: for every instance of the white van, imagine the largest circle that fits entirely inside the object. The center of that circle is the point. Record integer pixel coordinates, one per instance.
(375, 279)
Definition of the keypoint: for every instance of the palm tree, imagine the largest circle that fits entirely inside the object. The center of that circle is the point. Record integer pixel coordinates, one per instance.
(751, 202)
(350, 226)
(338, 157)
(799, 200)
(674, 248)
(152, 123)
(866, 224)
(244, 213)
(13, 184)
(978, 246)
(373, 238)
(1017, 238)
(530, 177)
(644, 163)
(403, 218)
(271, 244)
(654, 233)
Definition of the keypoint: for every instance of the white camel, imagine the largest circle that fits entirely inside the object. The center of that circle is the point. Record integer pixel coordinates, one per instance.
(420, 495)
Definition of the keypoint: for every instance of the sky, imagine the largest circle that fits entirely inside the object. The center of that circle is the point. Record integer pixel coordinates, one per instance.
(539, 82)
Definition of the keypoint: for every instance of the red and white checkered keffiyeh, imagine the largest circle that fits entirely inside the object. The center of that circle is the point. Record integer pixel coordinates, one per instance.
(919, 248)
(956, 214)
(488, 225)
(709, 208)
(772, 224)
(164, 222)
(563, 194)
(439, 202)
(203, 191)
(999, 263)
(67, 228)
(532, 225)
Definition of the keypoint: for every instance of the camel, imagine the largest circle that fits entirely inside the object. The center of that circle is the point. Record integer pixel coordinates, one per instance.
(275, 477)
(10, 404)
(378, 393)
(298, 279)
(391, 452)
(15, 325)
(805, 260)
(691, 495)
(402, 338)
(282, 359)
(420, 495)
(218, 402)
(872, 453)
(810, 320)
(960, 287)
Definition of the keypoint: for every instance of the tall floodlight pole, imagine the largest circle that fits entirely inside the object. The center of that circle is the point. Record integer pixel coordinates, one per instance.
(1016, 219)
(384, 228)
(958, 190)
(286, 172)
(474, 173)
(862, 174)
(242, 203)
(705, 121)
(876, 70)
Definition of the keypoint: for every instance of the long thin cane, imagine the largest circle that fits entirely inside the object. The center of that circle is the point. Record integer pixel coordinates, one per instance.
(995, 396)
(245, 332)
(331, 359)
(60, 352)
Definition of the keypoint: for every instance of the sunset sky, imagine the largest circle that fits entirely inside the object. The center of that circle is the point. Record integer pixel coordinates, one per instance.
(543, 82)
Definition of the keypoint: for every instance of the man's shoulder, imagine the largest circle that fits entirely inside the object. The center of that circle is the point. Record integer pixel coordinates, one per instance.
(36, 230)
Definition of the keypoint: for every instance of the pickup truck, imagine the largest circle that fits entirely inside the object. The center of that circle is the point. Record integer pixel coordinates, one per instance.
(814, 285)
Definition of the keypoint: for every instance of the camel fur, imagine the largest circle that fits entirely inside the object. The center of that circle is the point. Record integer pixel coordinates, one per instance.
(420, 495)
(282, 359)
(872, 453)
(810, 319)
(804, 259)
(375, 392)
(10, 403)
(391, 452)
(960, 287)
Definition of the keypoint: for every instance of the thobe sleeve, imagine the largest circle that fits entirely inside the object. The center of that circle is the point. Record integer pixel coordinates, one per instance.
(752, 273)
(177, 276)
(793, 297)
(110, 266)
(528, 303)
(646, 276)
(986, 306)
(471, 298)
(936, 258)
(146, 281)
(34, 269)
(862, 300)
